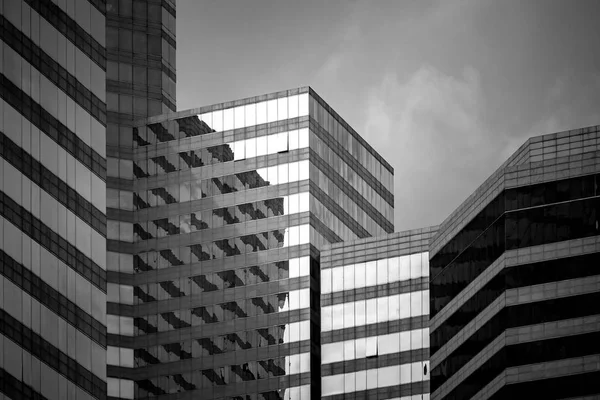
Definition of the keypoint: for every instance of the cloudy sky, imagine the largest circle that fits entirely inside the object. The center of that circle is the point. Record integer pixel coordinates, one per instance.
(445, 90)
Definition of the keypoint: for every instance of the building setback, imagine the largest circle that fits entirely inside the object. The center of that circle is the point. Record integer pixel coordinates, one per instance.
(232, 204)
(52, 200)
(515, 278)
(375, 317)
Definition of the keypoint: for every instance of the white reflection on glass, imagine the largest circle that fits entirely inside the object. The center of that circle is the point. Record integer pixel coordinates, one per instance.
(297, 299)
(382, 271)
(282, 173)
(228, 122)
(297, 393)
(217, 120)
(332, 352)
(348, 277)
(303, 104)
(326, 319)
(374, 378)
(293, 140)
(361, 380)
(261, 146)
(296, 235)
(337, 277)
(239, 120)
(374, 346)
(371, 271)
(250, 111)
(272, 110)
(299, 267)
(379, 272)
(261, 112)
(270, 144)
(337, 314)
(348, 315)
(282, 108)
(379, 309)
(293, 106)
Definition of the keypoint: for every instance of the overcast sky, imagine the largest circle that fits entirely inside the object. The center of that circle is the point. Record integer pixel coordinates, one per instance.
(444, 90)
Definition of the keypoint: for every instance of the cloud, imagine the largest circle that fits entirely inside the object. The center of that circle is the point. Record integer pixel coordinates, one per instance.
(431, 127)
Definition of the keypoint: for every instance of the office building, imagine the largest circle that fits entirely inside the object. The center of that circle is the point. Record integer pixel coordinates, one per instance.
(52, 199)
(140, 82)
(232, 203)
(515, 283)
(375, 317)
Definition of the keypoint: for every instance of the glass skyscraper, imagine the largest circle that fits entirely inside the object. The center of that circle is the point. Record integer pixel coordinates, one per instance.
(52, 199)
(515, 280)
(140, 82)
(245, 250)
(375, 317)
(232, 203)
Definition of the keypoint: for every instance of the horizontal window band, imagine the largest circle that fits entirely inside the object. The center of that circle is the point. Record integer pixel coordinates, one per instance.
(52, 127)
(372, 292)
(16, 388)
(555, 309)
(268, 388)
(52, 184)
(535, 352)
(206, 330)
(551, 223)
(351, 192)
(557, 387)
(400, 390)
(350, 130)
(52, 70)
(324, 230)
(154, 366)
(377, 329)
(151, 305)
(352, 162)
(51, 356)
(51, 298)
(338, 211)
(374, 362)
(69, 28)
(512, 278)
(514, 199)
(51, 241)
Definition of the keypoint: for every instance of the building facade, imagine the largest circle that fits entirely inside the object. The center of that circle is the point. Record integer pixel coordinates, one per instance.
(232, 203)
(140, 82)
(52, 199)
(515, 283)
(375, 317)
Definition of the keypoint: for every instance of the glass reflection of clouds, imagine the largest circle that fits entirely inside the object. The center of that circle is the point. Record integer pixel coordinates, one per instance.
(257, 113)
(285, 173)
(374, 346)
(297, 393)
(372, 311)
(161, 164)
(374, 273)
(270, 144)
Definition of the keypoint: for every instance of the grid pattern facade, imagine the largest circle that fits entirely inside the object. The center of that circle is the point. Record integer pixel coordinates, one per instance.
(231, 205)
(52, 199)
(375, 317)
(140, 82)
(514, 281)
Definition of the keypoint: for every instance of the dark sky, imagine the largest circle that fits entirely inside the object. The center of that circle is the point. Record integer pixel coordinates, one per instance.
(445, 90)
